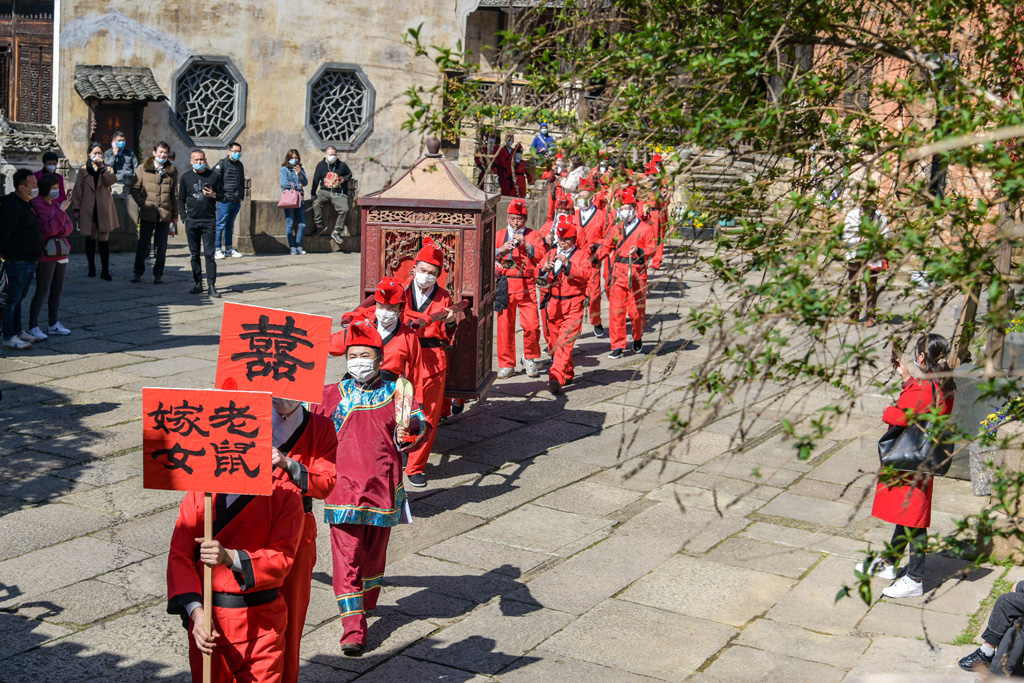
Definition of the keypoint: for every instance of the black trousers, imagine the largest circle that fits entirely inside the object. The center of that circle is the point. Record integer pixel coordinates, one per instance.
(903, 536)
(158, 232)
(1005, 633)
(204, 235)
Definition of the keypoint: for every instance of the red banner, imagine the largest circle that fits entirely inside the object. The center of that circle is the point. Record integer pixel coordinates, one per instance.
(267, 349)
(206, 440)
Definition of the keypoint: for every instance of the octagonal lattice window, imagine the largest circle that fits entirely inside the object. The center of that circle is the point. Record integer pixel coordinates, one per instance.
(340, 106)
(209, 100)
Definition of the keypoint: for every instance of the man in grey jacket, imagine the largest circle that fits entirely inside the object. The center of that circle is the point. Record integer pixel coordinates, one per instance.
(122, 159)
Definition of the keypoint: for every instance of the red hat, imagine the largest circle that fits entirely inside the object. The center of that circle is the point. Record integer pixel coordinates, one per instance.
(559, 156)
(627, 195)
(565, 229)
(336, 347)
(363, 333)
(430, 253)
(517, 207)
(389, 292)
(587, 184)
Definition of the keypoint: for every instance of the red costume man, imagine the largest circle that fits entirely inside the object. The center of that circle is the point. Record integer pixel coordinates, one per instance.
(503, 168)
(554, 176)
(563, 207)
(368, 498)
(425, 298)
(401, 345)
(569, 271)
(591, 228)
(628, 245)
(655, 212)
(523, 175)
(518, 250)
(305, 446)
(253, 549)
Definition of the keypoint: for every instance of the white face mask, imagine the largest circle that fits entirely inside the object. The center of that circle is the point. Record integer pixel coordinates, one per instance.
(386, 318)
(285, 406)
(34, 192)
(331, 158)
(603, 168)
(582, 202)
(50, 168)
(626, 213)
(362, 369)
(425, 280)
(97, 158)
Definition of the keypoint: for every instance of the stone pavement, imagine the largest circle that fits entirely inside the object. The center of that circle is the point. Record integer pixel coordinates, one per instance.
(560, 539)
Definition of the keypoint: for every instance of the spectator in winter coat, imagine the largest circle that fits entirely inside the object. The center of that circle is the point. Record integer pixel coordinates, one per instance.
(156, 192)
(21, 243)
(93, 208)
(293, 177)
(197, 206)
(330, 185)
(50, 160)
(122, 159)
(55, 227)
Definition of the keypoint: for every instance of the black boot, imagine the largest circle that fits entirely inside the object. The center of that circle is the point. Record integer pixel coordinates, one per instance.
(198, 289)
(90, 255)
(105, 261)
(211, 289)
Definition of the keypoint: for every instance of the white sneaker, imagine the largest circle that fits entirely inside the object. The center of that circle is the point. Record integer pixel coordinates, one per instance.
(904, 587)
(59, 329)
(37, 333)
(878, 568)
(294, 252)
(235, 253)
(16, 343)
(30, 338)
(530, 364)
(505, 373)
(300, 251)
(218, 254)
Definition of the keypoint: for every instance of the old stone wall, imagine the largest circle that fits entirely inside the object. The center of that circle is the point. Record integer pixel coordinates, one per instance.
(277, 45)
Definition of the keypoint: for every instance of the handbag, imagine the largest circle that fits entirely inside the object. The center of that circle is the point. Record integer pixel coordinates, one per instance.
(290, 199)
(3, 282)
(57, 246)
(911, 449)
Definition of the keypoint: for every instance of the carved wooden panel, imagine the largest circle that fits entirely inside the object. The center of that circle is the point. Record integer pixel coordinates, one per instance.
(421, 217)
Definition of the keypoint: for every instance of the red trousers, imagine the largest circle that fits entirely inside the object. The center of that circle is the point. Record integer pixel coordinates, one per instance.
(295, 591)
(359, 552)
(626, 296)
(657, 220)
(256, 660)
(594, 293)
(565, 320)
(433, 401)
(526, 304)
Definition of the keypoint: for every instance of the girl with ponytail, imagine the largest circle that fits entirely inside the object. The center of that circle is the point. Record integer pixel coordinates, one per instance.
(906, 501)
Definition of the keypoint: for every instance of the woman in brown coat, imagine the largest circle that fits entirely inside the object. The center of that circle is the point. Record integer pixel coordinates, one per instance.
(93, 206)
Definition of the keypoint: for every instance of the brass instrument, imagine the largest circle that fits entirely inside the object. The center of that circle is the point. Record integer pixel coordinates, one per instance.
(508, 262)
(545, 277)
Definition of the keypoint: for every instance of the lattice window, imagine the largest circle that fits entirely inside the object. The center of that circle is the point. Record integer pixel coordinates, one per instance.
(206, 100)
(339, 106)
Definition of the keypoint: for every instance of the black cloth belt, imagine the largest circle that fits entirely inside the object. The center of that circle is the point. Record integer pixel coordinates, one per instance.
(518, 277)
(566, 298)
(387, 376)
(635, 261)
(431, 343)
(307, 504)
(243, 600)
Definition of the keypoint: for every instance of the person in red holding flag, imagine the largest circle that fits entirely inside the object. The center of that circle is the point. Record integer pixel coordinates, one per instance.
(629, 245)
(255, 539)
(368, 498)
(401, 345)
(591, 228)
(569, 272)
(305, 447)
(518, 250)
(424, 297)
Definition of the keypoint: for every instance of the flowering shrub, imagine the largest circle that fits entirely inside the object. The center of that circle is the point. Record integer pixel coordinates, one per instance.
(1012, 410)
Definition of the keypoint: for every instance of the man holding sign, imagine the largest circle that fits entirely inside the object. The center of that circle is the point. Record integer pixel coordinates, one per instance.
(376, 420)
(240, 545)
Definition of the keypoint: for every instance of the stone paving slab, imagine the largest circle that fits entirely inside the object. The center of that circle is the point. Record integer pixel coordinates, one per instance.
(737, 662)
(79, 604)
(589, 498)
(787, 639)
(608, 635)
(765, 557)
(812, 602)
(686, 584)
(405, 669)
(541, 529)
(913, 656)
(542, 666)
(39, 527)
(908, 621)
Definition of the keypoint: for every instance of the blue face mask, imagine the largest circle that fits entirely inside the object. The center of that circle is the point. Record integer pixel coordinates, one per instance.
(198, 167)
(160, 161)
(235, 156)
(54, 193)
(292, 162)
(120, 144)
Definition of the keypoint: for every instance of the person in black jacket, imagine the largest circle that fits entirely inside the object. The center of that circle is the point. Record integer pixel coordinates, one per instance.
(197, 207)
(229, 200)
(330, 185)
(21, 245)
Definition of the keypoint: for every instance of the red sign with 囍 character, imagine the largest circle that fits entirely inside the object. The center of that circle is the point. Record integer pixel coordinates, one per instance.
(267, 349)
(206, 440)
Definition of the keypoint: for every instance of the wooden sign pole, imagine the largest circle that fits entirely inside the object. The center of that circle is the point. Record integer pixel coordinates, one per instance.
(207, 583)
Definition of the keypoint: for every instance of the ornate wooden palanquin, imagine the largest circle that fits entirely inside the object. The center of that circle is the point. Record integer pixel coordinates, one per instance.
(435, 199)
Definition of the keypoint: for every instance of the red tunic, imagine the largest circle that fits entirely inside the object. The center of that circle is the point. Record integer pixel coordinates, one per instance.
(433, 358)
(530, 252)
(563, 313)
(264, 531)
(590, 231)
(503, 169)
(908, 501)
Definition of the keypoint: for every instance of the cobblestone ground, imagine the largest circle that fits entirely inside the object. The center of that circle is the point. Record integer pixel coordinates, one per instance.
(559, 539)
